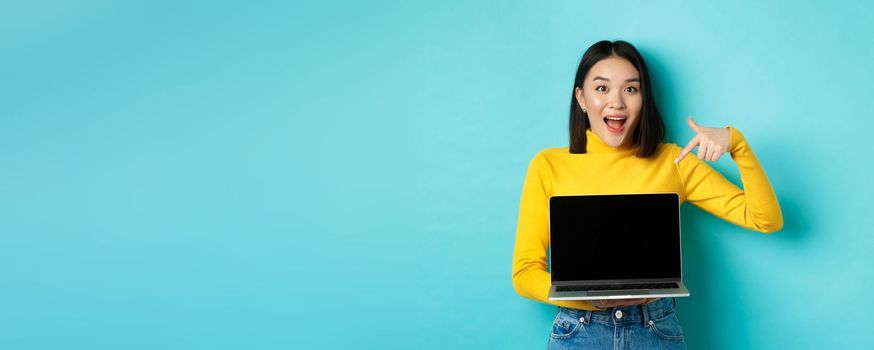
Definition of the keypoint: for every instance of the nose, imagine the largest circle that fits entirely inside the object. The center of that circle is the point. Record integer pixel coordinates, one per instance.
(617, 101)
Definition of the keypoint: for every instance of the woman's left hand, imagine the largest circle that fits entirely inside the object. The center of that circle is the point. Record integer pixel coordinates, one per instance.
(711, 142)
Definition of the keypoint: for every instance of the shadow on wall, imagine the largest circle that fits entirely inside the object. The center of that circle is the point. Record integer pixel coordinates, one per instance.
(708, 273)
(715, 297)
(699, 314)
(792, 184)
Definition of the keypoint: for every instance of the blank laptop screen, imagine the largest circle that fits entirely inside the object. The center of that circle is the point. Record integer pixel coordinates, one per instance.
(614, 237)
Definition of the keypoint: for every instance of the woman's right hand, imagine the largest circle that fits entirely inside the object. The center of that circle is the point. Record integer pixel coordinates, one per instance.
(608, 303)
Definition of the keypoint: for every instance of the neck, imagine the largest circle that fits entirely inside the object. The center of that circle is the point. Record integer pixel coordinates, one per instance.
(594, 144)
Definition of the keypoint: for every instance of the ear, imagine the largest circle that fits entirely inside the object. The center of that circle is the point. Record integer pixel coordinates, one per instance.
(578, 93)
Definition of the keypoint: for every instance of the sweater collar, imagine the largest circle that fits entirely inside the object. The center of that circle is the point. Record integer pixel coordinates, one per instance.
(594, 144)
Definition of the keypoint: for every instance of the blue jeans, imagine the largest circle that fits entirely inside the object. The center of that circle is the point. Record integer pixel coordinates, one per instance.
(649, 326)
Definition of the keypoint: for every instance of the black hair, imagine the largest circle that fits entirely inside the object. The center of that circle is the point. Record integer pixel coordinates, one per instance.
(651, 129)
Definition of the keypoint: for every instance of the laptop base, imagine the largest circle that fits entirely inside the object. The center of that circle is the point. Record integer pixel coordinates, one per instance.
(680, 291)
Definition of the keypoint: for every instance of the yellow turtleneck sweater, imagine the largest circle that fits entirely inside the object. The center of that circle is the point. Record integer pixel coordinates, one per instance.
(605, 169)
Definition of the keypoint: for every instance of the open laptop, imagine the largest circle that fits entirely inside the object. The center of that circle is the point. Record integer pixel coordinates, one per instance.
(615, 246)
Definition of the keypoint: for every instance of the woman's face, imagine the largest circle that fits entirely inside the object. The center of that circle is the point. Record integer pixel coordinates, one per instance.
(611, 94)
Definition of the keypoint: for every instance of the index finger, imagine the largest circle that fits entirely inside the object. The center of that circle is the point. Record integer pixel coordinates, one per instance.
(692, 144)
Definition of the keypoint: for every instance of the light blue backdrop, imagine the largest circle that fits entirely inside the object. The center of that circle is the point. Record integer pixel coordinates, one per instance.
(321, 174)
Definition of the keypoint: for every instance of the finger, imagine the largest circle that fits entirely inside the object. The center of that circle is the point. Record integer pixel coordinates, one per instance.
(720, 150)
(627, 302)
(717, 154)
(714, 152)
(624, 302)
(614, 303)
(689, 147)
(709, 152)
(702, 150)
(694, 125)
(608, 303)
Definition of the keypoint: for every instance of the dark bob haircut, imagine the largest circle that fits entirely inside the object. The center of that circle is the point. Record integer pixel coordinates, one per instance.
(651, 129)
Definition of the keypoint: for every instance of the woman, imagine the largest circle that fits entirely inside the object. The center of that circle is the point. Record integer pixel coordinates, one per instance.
(616, 146)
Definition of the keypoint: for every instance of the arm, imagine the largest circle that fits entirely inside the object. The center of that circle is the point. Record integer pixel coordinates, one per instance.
(754, 207)
(530, 278)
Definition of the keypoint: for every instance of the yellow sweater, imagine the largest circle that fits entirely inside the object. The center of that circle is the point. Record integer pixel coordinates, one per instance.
(605, 169)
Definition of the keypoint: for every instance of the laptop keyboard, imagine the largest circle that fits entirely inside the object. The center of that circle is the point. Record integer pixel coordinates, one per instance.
(624, 286)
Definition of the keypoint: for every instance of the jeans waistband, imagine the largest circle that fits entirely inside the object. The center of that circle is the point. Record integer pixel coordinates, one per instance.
(626, 314)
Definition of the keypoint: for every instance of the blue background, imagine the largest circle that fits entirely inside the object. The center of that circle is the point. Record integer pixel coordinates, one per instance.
(275, 175)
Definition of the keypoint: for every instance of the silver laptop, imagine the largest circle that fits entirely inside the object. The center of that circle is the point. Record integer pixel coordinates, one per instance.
(615, 246)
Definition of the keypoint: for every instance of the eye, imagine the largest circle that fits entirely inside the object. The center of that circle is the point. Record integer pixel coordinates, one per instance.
(631, 89)
(601, 88)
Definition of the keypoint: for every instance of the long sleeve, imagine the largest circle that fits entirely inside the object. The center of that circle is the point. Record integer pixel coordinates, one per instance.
(530, 277)
(754, 207)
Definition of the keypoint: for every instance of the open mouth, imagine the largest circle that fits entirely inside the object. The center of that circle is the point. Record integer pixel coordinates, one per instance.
(615, 123)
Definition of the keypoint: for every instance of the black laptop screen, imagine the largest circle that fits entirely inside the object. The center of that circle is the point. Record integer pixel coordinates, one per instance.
(614, 237)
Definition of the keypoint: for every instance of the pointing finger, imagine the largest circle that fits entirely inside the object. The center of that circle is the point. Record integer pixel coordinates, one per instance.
(689, 147)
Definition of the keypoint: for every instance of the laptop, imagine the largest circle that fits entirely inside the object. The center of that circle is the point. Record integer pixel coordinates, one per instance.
(615, 246)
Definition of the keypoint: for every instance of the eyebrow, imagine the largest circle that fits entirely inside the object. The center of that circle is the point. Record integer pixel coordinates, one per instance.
(626, 80)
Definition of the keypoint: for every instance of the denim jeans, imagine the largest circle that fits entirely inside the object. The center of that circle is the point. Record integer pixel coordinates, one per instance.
(649, 326)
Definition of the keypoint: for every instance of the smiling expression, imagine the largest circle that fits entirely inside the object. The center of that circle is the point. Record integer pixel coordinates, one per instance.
(611, 94)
